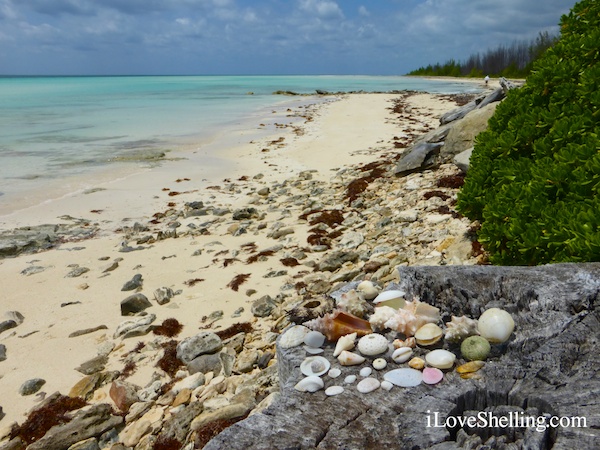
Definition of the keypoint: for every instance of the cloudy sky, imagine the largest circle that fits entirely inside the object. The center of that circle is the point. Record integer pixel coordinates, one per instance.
(376, 37)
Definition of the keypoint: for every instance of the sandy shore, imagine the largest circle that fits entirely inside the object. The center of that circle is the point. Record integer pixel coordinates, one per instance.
(347, 131)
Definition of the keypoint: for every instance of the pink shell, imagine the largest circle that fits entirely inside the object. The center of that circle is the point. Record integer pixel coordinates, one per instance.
(431, 375)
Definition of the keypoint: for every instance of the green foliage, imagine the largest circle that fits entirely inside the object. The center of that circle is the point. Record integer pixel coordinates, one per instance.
(534, 177)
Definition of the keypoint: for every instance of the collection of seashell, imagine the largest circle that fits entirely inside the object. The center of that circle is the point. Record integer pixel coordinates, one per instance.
(357, 323)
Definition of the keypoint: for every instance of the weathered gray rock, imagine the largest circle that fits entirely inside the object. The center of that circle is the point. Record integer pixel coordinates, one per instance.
(30, 387)
(2, 352)
(245, 214)
(77, 272)
(87, 423)
(463, 159)
(263, 307)
(88, 444)
(462, 133)
(218, 363)
(418, 157)
(549, 366)
(135, 327)
(200, 344)
(134, 283)
(93, 365)
(7, 325)
(336, 259)
(16, 316)
(163, 295)
(134, 304)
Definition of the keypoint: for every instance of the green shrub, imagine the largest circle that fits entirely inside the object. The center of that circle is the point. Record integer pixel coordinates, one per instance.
(534, 177)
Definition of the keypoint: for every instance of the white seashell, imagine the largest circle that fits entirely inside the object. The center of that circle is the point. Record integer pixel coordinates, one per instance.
(379, 364)
(381, 315)
(373, 344)
(350, 379)
(334, 390)
(442, 359)
(402, 354)
(385, 384)
(428, 334)
(314, 339)
(313, 350)
(460, 328)
(344, 343)
(334, 373)
(365, 371)
(352, 302)
(496, 325)
(347, 358)
(368, 385)
(404, 377)
(314, 366)
(392, 298)
(309, 384)
(367, 289)
(293, 337)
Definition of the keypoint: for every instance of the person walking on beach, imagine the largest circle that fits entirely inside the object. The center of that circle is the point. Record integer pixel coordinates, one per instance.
(486, 79)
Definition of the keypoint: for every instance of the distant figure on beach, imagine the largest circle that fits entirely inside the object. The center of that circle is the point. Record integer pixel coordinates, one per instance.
(486, 79)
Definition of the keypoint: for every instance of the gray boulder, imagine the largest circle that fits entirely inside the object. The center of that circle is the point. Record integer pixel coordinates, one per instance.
(463, 159)
(462, 134)
(549, 367)
(200, 344)
(420, 156)
(134, 304)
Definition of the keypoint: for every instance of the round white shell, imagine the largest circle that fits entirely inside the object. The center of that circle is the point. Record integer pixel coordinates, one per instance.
(293, 337)
(496, 325)
(402, 354)
(404, 377)
(428, 334)
(365, 371)
(379, 364)
(385, 384)
(314, 366)
(314, 339)
(309, 384)
(389, 295)
(441, 359)
(313, 350)
(373, 344)
(367, 289)
(334, 373)
(334, 390)
(350, 379)
(368, 385)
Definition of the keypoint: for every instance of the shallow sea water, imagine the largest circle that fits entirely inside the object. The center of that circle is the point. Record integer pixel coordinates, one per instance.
(54, 128)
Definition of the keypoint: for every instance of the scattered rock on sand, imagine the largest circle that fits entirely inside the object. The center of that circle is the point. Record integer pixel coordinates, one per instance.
(31, 386)
(133, 284)
(200, 344)
(134, 304)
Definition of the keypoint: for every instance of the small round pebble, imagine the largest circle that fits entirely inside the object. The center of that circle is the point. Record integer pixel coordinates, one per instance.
(365, 371)
(368, 385)
(379, 364)
(350, 379)
(334, 373)
(334, 390)
(386, 385)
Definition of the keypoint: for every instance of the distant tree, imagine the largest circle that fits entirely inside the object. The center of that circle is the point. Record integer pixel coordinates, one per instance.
(513, 61)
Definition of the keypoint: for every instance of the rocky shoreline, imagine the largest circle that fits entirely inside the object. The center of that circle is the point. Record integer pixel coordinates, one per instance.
(304, 236)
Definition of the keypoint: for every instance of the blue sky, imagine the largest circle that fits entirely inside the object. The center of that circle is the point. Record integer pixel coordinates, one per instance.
(378, 37)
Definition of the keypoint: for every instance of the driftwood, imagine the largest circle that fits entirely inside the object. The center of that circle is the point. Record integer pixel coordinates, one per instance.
(550, 366)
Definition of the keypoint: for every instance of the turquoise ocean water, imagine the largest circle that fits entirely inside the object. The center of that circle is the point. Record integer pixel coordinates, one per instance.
(57, 127)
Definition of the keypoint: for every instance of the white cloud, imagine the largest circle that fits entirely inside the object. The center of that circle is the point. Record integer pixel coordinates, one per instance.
(323, 9)
(363, 11)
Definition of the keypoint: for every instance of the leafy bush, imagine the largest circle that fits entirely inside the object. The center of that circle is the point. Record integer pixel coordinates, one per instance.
(534, 177)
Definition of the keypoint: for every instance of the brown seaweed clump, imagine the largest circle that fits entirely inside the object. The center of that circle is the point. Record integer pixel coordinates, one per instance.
(169, 328)
(210, 430)
(167, 443)
(234, 329)
(169, 362)
(452, 181)
(237, 281)
(48, 415)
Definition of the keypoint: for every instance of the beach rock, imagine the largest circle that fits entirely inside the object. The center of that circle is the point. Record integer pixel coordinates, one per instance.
(263, 307)
(163, 295)
(418, 157)
(134, 304)
(31, 386)
(85, 424)
(87, 331)
(86, 387)
(246, 360)
(7, 325)
(463, 159)
(200, 344)
(77, 272)
(2, 352)
(16, 316)
(133, 284)
(218, 363)
(463, 132)
(548, 365)
(88, 444)
(94, 365)
(135, 327)
(336, 259)
(245, 214)
(177, 426)
(123, 394)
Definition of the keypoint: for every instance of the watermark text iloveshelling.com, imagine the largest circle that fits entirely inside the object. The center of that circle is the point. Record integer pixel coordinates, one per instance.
(513, 419)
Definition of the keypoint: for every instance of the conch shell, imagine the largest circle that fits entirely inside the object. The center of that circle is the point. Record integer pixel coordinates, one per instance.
(460, 328)
(406, 320)
(354, 303)
(339, 323)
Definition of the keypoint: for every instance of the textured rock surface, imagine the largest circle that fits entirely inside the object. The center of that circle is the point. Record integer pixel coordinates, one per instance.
(549, 366)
